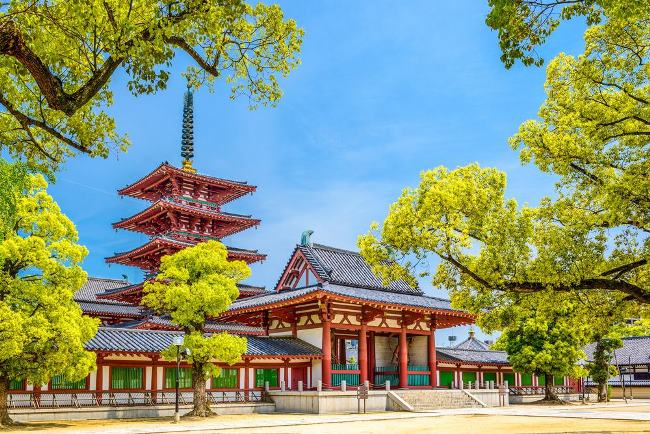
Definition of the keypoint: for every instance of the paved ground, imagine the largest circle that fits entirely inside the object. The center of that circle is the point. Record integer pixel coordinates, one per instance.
(613, 417)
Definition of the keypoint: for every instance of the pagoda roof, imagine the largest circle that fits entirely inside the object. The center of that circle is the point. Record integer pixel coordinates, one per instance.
(144, 188)
(98, 285)
(471, 343)
(161, 245)
(155, 322)
(135, 291)
(363, 296)
(237, 222)
(128, 341)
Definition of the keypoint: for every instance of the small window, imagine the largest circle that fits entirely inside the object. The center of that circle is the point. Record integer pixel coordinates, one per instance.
(60, 383)
(264, 375)
(126, 378)
(227, 379)
(185, 379)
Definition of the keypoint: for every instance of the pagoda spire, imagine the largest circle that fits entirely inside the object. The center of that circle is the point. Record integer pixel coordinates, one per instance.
(187, 140)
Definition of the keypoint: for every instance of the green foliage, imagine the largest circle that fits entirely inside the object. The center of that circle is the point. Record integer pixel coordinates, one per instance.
(42, 329)
(524, 25)
(13, 179)
(193, 285)
(57, 59)
(544, 333)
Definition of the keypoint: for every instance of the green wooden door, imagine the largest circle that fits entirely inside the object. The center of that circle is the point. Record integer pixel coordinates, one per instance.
(446, 378)
(509, 377)
(490, 376)
(469, 376)
(264, 375)
(526, 379)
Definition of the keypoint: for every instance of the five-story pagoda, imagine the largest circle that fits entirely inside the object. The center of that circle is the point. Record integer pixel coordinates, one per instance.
(186, 209)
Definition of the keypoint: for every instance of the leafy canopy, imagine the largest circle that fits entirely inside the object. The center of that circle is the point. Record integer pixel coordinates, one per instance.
(57, 59)
(42, 329)
(592, 132)
(525, 25)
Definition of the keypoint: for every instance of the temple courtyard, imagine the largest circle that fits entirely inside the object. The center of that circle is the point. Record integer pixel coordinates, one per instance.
(614, 417)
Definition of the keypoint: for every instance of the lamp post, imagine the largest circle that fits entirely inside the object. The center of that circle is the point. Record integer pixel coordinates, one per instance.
(178, 341)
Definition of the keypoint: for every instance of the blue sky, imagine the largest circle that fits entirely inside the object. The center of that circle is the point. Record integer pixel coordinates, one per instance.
(385, 90)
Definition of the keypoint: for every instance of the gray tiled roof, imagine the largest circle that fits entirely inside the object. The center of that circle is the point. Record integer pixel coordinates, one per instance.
(472, 356)
(635, 351)
(121, 309)
(348, 291)
(210, 326)
(348, 268)
(97, 285)
(154, 341)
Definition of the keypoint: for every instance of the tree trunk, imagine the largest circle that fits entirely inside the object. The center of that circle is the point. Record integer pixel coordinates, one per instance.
(201, 405)
(549, 393)
(601, 369)
(5, 420)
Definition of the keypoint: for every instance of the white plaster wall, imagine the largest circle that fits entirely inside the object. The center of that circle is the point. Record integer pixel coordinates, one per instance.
(105, 378)
(316, 372)
(418, 351)
(93, 380)
(148, 377)
(312, 336)
(160, 380)
(384, 347)
(242, 377)
(251, 378)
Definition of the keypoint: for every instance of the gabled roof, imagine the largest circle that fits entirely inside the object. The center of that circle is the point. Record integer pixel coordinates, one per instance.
(472, 356)
(471, 343)
(345, 267)
(635, 351)
(121, 340)
(121, 310)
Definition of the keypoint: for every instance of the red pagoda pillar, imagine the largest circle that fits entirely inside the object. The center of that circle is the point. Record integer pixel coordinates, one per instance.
(403, 359)
(371, 356)
(432, 358)
(327, 353)
(363, 354)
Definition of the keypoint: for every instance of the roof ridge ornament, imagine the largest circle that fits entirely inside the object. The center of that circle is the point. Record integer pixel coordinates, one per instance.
(305, 238)
(187, 139)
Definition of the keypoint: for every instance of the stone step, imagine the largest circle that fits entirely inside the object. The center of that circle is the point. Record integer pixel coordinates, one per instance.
(437, 399)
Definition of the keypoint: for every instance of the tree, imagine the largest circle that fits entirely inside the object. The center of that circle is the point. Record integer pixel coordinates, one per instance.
(193, 285)
(524, 25)
(544, 334)
(57, 59)
(42, 329)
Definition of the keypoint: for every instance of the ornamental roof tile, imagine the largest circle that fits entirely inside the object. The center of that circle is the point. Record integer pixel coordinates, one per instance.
(635, 351)
(373, 295)
(472, 356)
(345, 267)
(154, 341)
(471, 343)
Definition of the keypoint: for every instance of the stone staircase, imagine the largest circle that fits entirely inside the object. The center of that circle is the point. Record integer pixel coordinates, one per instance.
(436, 399)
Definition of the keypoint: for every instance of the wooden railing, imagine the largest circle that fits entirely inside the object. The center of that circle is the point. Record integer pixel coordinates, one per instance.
(539, 390)
(52, 399)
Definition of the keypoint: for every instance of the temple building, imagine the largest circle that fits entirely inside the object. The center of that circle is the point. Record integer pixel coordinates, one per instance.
(298, 332)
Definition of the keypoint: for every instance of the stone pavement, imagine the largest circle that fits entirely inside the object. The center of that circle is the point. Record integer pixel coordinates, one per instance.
(611, 411)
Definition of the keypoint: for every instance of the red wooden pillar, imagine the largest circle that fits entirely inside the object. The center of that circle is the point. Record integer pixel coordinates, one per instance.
(247, 381)
(99, 383)
(294, 329)
(363, 354)
(371, 356)
(343, 357)
(432, 358)
(327, 353)
(154, 379)
(403, 359)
